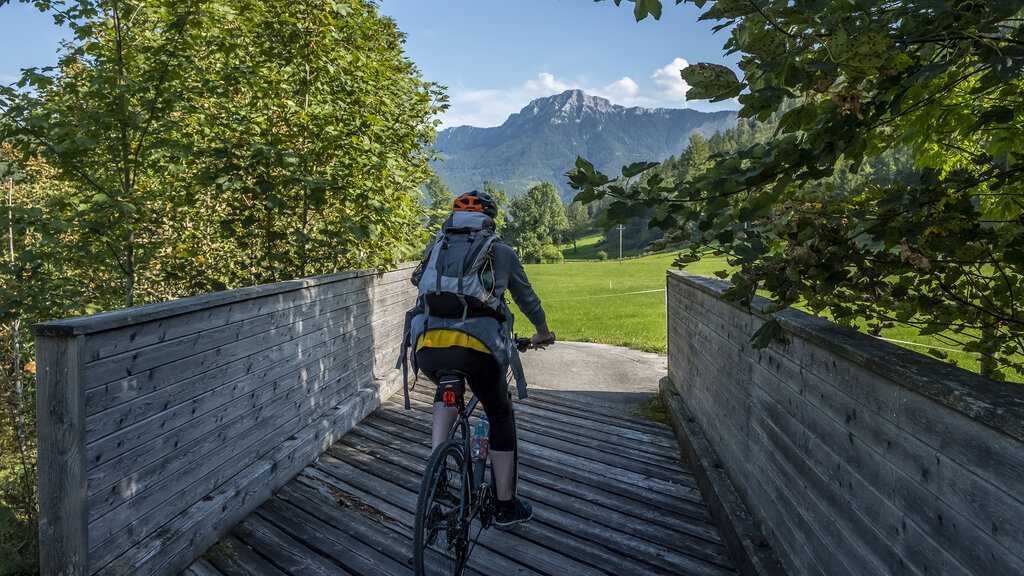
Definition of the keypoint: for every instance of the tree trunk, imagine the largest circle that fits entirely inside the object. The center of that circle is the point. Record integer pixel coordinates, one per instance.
(126, 169)
(19, 386)
(988, 359)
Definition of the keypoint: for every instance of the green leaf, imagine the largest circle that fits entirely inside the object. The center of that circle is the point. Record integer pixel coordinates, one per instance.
(637, 168)
(712, 82)
(642, 8)
(768, 332)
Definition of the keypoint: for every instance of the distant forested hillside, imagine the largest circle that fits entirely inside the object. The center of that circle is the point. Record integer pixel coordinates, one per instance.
(542, 141)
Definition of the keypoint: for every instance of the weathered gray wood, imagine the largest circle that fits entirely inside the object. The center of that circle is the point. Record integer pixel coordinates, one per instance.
(235, 558)
(125, 376)
(580, 527)
(284, 551)
(191, 412)
(143, 423)
(739, 531)
(559, 493)
(912, 510)
(689, 505)
(286, 402)
(621, 422)
(393, 535)
(900, 469)
(196, 477)
(600, 464)
(353, 556)
(947, 478)
(154, 312)
(60, 417)
(401, 503)
(163, 435)
(191, 532)
(394, 449)
(201, 568)
(267, 310)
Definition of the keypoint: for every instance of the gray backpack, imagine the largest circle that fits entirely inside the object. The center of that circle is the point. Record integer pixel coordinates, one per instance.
(451, 278)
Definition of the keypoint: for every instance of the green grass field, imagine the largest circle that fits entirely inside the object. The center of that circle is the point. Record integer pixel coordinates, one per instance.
(587, 248)
(620, 303)
(623, 303)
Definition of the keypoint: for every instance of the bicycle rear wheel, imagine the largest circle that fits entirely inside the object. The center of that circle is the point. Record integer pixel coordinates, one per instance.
(441, 533)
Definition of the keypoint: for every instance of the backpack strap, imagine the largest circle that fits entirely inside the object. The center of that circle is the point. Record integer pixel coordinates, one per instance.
(461, 284)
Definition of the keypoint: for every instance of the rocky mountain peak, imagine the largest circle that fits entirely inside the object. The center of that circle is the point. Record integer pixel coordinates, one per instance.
(569, 106)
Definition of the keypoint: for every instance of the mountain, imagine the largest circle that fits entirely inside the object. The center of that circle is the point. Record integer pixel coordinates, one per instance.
(542, 141)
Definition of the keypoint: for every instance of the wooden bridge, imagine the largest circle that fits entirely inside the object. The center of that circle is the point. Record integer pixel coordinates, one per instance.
(610, 493)
(257, 431)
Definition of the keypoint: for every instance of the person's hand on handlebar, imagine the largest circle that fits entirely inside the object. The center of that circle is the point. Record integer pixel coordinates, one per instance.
(543, 337)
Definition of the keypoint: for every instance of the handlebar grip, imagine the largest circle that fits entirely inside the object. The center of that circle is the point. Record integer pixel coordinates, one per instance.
(524, 344)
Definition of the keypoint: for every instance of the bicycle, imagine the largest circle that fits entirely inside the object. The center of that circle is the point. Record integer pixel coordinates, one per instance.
(455, 489)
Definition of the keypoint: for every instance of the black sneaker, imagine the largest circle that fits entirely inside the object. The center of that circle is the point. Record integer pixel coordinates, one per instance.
(507, 517)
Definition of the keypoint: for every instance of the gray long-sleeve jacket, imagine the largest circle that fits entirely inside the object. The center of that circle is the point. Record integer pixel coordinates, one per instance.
(508, 275)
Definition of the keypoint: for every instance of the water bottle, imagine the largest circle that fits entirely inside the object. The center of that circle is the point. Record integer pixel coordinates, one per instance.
(478, 445)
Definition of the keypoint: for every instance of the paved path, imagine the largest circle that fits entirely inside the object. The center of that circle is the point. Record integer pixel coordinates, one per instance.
(609, 375)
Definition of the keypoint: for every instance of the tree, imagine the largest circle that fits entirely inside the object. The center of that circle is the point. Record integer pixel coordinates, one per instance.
(577, 222)
(500, 196)
(214, 144)
(852, 81)
(695, 157)
(182, 147)
(441, 199)
(536, 217)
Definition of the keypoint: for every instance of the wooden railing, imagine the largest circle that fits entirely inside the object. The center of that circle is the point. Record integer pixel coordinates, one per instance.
(853, 455)
(162, 426)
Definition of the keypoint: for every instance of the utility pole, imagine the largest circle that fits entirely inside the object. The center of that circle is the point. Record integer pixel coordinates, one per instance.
(620, 243)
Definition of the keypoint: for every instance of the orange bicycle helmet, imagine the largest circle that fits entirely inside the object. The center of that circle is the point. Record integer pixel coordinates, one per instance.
(476, 202)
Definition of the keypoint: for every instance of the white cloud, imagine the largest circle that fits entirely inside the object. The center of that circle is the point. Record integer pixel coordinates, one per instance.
(622, 91)
(545, 85)
(669, 85)
(490, 107)
(665, 90)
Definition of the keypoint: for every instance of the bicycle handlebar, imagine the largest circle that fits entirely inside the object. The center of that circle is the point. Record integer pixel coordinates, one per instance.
(524, 344)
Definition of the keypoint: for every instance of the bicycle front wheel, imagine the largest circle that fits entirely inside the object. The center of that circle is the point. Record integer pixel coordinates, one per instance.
(441, 533)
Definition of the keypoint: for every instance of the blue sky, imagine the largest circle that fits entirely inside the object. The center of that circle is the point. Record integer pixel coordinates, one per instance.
(496, 56)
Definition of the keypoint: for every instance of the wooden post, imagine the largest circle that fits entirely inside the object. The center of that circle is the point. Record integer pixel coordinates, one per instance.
(60, 410)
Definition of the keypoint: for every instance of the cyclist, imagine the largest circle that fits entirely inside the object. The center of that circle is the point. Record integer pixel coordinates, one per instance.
(476, 343)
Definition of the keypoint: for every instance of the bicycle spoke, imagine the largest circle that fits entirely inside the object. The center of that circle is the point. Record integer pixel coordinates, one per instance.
(441, 538)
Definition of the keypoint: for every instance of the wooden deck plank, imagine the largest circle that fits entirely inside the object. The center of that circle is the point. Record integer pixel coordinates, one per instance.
(552, 508)
(689, 504)
(591, 459)
(617, 455)
(348, 471)
(659, 448)
(577, 404)
(568, 545)
(381, 445)
(287, 554)
(609, 499)
(234, 558)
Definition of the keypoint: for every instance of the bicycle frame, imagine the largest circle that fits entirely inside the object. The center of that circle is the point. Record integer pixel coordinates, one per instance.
(474, 472)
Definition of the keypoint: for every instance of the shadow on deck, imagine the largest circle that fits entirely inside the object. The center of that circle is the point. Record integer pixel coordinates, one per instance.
(611, 496)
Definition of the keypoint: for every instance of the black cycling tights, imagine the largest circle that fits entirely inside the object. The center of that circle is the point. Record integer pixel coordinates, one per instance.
(485, 379)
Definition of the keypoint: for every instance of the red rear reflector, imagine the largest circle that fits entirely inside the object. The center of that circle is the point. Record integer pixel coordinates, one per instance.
(449, 397)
